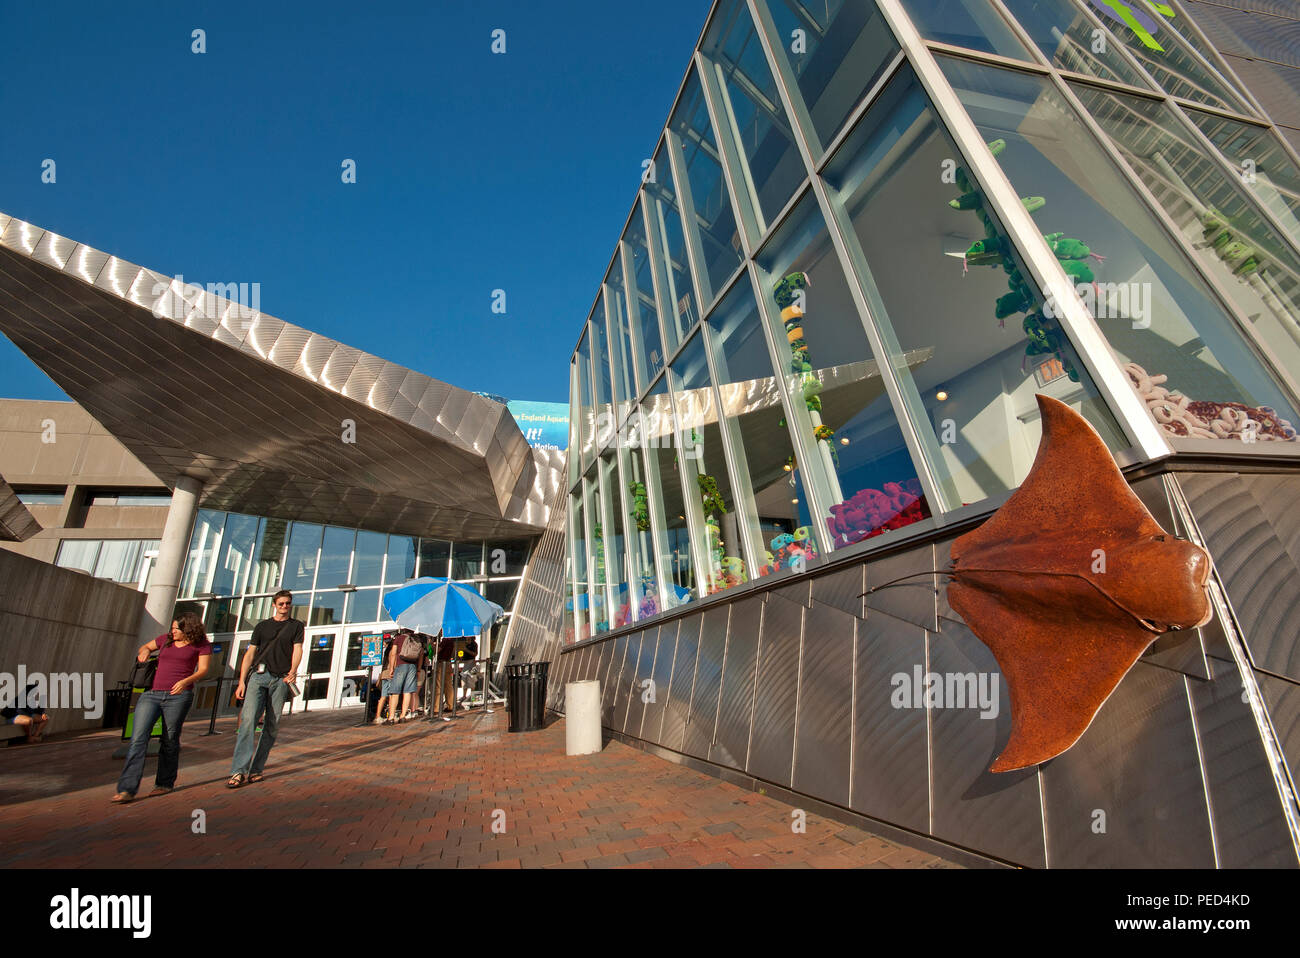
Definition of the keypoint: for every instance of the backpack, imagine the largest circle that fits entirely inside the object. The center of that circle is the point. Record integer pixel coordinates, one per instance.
(410, 649)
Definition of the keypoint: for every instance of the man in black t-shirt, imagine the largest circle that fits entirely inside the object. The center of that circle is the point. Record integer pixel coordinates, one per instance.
(273, 655)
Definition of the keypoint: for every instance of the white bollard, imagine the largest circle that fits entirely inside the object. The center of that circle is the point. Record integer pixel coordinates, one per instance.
(582, 734)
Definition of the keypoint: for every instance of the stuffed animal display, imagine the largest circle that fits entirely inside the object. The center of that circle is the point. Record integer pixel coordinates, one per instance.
(790, 551)
(871, 512)
(1179, 415)
(789, 297)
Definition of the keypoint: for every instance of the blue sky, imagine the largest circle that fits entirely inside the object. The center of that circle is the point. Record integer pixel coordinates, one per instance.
(474, 171)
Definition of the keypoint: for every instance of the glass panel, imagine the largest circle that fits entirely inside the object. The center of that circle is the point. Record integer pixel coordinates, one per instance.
(1234, 243)
(603, 383)
(466, 560)
(254, 611)
(837, 51)
(1155, 309)
(204, 541)
(502, 593)
(579, 600)
(612, 526)
(597, 602)
(336, 556)
(665, 215)
(119, 560)
(770, 508)
(567, 625)
(368, 563)
(352, 658)
(237, 545)
(300, 561)
(643, 310)
(435, 554)
(222, 616)
(708, 486)
(363, 606)
(266, 560)
(401, 560)
(78, 554)
(860, 466)
(586, 408)
(665, 486)
(316, 690)
(575, 422)
(705, 191)
(643, 582)
(973, 24)
(622, 345)
(1266, 169)
(1071, 40)
(327, 608)
(507, 556)
(753, 108)
(972, 350)
(1178, 69)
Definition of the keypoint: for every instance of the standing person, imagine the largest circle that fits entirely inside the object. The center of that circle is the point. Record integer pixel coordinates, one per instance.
(446, 666)
(273, 655)
(183, 658)
(386, 677)
(408, 652)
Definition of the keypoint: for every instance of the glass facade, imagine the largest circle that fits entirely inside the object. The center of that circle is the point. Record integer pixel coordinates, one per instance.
(872, 232)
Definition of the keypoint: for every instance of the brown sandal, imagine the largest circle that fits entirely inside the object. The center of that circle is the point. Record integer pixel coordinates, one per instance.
(121, 798)
(255, 777)
(236, 780)
(159, 790)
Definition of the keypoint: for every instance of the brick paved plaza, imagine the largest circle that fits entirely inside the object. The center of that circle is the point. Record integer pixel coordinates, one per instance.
(414, 795)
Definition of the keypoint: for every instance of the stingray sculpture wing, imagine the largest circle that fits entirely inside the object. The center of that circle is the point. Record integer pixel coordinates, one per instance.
(1068, 584)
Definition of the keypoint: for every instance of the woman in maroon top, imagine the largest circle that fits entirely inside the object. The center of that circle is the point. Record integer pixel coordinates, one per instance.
(183, 658)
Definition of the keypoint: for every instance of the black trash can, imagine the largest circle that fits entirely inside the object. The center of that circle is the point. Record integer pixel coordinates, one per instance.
(526, 695)
(117, 706)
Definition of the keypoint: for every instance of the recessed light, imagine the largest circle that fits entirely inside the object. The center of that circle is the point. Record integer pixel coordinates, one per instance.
(941, 395)
(844, 440)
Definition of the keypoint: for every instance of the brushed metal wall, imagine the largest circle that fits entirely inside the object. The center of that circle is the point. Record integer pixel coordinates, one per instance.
(802, 685)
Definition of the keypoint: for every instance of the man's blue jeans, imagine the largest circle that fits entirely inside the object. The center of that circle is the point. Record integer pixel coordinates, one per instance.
(173, 709)
(264, 699)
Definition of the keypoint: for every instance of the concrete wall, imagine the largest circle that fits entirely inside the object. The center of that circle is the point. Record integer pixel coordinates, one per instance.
(57, 620)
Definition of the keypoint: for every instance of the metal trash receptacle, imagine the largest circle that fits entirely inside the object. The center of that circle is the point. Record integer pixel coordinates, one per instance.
(117, 706)
(526, 695)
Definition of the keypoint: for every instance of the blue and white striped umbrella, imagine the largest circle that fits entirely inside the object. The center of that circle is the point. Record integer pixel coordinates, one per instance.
(432, 605)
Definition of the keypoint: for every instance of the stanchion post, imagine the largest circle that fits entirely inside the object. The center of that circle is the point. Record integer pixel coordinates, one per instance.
(216, 704)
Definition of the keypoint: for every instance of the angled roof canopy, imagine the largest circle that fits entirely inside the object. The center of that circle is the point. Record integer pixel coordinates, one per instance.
(16, 523)
(259, 409)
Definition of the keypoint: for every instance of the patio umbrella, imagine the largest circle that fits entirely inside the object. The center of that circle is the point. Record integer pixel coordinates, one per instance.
(432, 605)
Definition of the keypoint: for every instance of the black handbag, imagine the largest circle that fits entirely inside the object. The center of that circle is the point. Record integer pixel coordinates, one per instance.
(142, 673)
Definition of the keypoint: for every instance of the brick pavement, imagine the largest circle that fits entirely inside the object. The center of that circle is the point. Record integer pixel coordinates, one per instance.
(415, 795)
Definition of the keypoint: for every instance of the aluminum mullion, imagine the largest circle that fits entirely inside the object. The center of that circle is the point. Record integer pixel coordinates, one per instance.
(797, 114)
(690, 224)
(1078, 324)
(1174, 234)
(1234, 84)
(884, 361)
(859, 111)
(611, 591)
(630, 297)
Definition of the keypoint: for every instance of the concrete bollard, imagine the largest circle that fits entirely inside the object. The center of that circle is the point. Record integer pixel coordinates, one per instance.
(582, 734)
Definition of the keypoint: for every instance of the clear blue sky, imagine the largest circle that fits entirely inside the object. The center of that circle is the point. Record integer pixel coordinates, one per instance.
(475, 171)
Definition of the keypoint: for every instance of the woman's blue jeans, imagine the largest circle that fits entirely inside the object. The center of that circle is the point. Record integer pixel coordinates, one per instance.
(150, 705)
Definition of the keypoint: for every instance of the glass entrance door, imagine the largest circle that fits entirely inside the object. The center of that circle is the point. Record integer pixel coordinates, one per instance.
(316, 674)
(350, 673)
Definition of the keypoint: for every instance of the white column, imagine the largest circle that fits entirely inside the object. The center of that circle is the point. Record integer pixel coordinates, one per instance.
(167, 569)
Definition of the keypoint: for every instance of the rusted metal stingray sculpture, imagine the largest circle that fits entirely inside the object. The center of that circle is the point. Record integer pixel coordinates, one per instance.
(1067, 584)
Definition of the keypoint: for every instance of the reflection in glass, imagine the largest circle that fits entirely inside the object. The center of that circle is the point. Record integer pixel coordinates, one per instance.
(578, 598)
(401, 560)
(598, 530)
(507, 556)
(237, 544)
(502, 593)
(603, 383)
(973, 24)
(222, 616)
(1156, 311)
(861, 467)
(753, 108)
(204, 542)
(586, 407)
(435, 554)
(368, 563)
(1069, 40)
(327, 608)
(466, 560)
(1235, 244)
(842, 49)
(255, 610)
(82, 553)
(643, 582)
(770, 508)
(300, 561)
(642, 309)
(665, 485)
(665, 217)
(336, 556)
(363, 606)
(1266, 169)
(622, 346)
(705, 191)
(972, 338)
